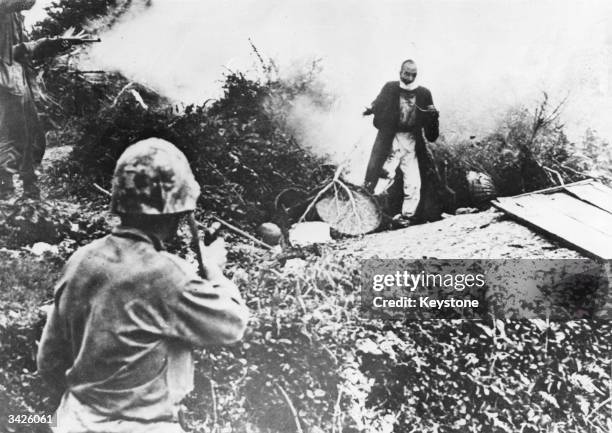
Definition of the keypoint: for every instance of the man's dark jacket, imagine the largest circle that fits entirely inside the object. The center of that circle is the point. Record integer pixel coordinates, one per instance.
(386, 119)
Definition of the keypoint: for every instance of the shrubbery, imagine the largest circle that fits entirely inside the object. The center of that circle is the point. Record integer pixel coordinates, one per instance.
(26, 282)
(309, 350)
(528, 150)
(238, 152)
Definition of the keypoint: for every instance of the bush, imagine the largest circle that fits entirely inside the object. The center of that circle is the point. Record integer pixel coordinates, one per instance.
(26, 281)
(238, 152)
(526, 152)
(524, 375)
(30, 221)
(309, 350)
(76, 14)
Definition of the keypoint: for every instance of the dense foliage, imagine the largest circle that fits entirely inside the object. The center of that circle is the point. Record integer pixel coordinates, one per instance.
(528, 150)
(76, 14)
(311, 361)
(239, 154)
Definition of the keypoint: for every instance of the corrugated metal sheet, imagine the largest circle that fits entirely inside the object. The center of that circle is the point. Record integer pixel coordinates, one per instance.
(579, 214)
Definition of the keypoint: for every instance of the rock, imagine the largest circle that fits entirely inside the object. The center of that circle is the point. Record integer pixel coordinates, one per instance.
(308, 233)
(40, 248)
(465, 210)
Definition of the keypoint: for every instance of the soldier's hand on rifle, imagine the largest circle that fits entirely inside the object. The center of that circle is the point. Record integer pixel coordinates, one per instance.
(67, 40)
(39, 49)
(61, 44)
(20, 53)
(45, 47)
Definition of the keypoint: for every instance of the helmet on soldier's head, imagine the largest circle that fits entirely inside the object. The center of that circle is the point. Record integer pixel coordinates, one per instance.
(153, 177)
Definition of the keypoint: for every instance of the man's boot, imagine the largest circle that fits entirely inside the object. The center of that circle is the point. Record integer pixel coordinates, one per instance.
(7, 188)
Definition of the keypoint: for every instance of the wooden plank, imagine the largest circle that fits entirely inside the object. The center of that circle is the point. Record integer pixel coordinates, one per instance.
(594, 193)
(566, 223)
(580, 211)
(569, 222)
(564, 206)
(551, 189)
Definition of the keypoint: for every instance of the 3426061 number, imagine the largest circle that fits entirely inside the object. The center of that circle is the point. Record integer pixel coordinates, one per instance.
(29, 419)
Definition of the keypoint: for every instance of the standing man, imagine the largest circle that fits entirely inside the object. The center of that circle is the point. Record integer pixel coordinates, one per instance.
(22, 140)
(403, 113)
(127, 314)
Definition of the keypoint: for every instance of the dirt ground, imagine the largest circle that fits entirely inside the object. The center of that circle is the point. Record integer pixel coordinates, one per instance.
(484, 235)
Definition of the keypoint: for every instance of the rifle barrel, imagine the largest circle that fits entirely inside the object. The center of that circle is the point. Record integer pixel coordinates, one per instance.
(82, 40)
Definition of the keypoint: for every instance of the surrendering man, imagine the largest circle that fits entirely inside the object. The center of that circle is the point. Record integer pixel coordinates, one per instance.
(404, 115)
(126, 314)
(22, 140)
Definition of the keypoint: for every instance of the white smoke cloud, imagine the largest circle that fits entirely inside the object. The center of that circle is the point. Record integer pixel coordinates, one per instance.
(478, 57)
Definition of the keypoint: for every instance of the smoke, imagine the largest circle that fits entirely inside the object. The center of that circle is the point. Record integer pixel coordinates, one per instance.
(337, 132)
(478, 57)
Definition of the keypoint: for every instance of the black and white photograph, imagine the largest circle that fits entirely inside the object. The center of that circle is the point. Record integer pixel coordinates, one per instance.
(305, 216)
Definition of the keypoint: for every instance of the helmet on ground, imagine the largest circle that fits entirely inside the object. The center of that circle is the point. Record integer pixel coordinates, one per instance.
(270, 233)
(153, 177)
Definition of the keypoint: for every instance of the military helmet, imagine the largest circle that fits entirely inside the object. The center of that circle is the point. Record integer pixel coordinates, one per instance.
(153, 177)
(270, 233)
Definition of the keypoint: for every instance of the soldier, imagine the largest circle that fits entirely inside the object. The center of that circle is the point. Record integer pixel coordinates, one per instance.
(126, 314)
(22, 140)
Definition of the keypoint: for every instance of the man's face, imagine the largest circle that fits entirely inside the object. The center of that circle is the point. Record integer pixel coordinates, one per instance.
(408, 73)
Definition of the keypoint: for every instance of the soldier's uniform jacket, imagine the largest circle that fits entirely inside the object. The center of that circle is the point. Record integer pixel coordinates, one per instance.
(22, 141)
(12, 76)
(118, 339)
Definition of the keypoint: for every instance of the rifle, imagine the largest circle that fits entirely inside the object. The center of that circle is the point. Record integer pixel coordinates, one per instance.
(77, 41)
(196, 244)
(70, 41)
(210, 235)
(39, 49)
